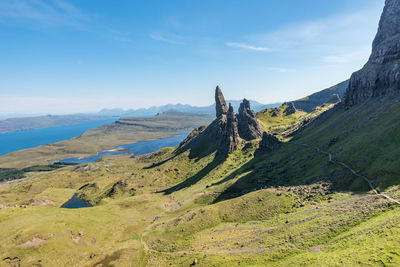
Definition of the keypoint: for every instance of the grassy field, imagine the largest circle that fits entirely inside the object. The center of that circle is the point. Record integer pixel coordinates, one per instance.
(280, 124)
(125, 131)
(290, 208)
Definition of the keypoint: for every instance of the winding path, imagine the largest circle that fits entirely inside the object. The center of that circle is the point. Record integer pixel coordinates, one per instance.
(330, 159)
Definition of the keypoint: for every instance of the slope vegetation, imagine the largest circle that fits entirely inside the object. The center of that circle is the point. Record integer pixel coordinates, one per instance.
(290, 207)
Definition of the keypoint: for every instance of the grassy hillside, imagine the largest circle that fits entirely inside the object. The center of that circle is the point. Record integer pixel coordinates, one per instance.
(293, 207)
(124, 131)
(278, 122)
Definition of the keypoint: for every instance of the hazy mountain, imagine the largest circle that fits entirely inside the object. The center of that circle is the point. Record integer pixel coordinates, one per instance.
(208, 110)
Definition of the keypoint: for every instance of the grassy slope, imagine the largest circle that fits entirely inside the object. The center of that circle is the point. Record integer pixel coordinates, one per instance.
(276, 122)
(290, 208)
(106, 137)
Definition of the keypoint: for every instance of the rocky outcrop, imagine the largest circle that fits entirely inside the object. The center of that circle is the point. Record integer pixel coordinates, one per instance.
(290, 108)
(381, 75)
(268, 144)
(220, 104)
(248, 126)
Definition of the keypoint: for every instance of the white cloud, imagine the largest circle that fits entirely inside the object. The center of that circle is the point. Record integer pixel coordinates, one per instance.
(248, 47)
(50, 13)
(165, 40)
(277, 69)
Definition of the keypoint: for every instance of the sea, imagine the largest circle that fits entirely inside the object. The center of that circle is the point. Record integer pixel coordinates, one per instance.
(14, 141)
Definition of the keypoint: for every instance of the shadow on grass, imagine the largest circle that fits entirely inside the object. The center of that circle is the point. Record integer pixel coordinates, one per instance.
(195, 178)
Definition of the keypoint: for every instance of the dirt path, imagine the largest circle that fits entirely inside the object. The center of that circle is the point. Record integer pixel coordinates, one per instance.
(248, 250)
(330, 159)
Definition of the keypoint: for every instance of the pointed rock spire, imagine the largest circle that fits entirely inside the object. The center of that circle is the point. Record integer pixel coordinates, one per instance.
(220, 104)
(248, 126)
(231, 135)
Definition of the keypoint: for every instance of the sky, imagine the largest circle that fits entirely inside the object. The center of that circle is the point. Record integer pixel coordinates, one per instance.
(59, 56)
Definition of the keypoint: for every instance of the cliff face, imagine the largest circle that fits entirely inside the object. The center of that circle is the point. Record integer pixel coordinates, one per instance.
(381, 75)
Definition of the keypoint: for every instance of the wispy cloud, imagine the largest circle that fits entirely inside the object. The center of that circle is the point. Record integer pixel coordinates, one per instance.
(121, 36)
(359, 54)
(248, 47)
(341, 34)
(278, 69)
(164, 39)
(49, 13)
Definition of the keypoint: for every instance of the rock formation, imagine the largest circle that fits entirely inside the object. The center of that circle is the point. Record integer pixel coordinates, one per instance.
(220, 104)
(222, 133)
(248, 126)
(290, 108)
(381, 74)
(268, 144)
(230, 134)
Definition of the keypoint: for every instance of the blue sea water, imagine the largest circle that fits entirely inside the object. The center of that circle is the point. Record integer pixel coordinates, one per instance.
(10, 142)
(139, 148)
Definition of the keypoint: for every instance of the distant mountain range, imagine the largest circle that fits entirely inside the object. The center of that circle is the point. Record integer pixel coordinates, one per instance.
(19, 123)
(29, 122)
(207, 110)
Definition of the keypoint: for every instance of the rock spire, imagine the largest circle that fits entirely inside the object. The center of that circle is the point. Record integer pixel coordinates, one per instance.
(220, 104)
(248, 126)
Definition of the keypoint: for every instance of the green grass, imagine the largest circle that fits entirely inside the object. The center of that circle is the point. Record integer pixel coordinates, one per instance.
(288, 208)
(276, 122)
(13, 174)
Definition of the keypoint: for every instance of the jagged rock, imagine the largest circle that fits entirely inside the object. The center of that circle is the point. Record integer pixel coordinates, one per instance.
(220, 104)
(290, 108)
(268, 144)
(381, 75)
(230, 133)
(222, 134)
(248, 126)
(334, 99)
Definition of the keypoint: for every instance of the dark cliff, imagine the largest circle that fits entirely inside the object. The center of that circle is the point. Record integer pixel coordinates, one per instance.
(381, 75)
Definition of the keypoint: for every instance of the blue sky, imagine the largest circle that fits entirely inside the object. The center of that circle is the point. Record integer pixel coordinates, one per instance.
(59, 56)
